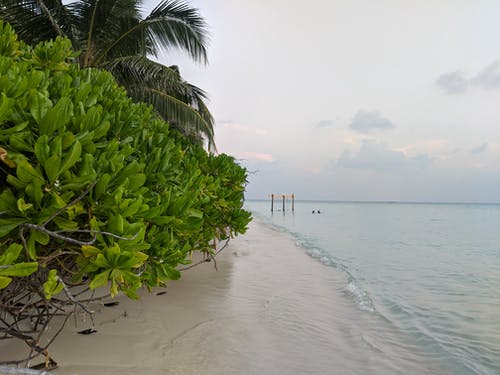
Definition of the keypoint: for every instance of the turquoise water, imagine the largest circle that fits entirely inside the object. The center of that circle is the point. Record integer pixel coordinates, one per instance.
(429, 273)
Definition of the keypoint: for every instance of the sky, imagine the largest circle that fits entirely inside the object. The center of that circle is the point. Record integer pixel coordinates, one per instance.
(378, 100)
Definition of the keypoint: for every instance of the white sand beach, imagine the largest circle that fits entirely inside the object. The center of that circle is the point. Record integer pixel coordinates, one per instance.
(269, 309)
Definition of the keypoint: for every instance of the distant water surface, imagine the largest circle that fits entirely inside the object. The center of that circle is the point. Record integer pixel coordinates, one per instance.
(428, 273)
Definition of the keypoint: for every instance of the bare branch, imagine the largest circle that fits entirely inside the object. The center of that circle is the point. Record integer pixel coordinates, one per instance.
(74, 201)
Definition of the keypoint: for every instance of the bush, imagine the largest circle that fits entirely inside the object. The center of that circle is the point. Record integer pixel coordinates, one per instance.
(96, 190)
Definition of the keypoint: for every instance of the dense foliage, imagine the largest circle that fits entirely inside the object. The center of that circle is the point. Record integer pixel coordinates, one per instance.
(116, 36)
(94, 189)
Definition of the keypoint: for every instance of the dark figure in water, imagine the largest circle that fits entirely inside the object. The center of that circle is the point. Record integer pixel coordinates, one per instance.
(314, 212)
(319, 211)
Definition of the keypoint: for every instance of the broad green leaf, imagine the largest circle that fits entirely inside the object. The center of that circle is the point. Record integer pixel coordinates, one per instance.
(101, 185)
(20, 269)
(57, 117)
(41, 237)
(90, 251)
(100, 279)
(71, 159)
(22, 206)
(6, 105)
(11, 254)
(26, 173)
(7, 201)
(65, 224)
(4, 282)
(7, 225)
(39, 105)
(42, 149)
(52, 286)
(34, 191)
(101, 261)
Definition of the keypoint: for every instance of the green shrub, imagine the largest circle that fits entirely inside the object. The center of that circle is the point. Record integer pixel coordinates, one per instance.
(94, 188)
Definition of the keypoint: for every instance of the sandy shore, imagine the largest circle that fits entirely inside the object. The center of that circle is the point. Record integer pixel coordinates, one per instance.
(269, 309)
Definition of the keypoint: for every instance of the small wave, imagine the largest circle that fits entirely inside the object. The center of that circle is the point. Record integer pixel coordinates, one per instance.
(362, 298)
(311, 248)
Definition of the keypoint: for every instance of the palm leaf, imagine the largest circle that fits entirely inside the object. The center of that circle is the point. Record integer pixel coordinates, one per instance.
(172, 24)
(180, 115)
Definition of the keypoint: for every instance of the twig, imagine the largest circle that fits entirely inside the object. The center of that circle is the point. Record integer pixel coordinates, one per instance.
(77, 199)
(76, 302)
(209, 259)
(59, 236)
(98, 232)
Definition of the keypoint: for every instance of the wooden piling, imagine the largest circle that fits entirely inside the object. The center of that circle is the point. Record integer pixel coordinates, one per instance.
(283, 197)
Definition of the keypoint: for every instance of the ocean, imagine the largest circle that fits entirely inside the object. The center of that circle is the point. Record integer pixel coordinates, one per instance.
(424, 278)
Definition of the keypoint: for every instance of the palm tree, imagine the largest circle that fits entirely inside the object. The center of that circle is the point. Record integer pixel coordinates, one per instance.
(113, 35)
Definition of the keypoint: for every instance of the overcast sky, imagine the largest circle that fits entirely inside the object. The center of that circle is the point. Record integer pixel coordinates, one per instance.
(357, 99)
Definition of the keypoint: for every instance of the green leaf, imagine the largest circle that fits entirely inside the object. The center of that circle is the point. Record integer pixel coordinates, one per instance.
(34, 191)
(7, 201)
(52, 167)
(22, 206)
(72, 158)
(20, 269)
(90, 251)
(57, 117)
(26, 173)
(42, 149)
(7, 225)
(100, 280)
(101, 185)
(6, 105)
(4, 282)
(39, 105)
(52, 286)
(101, 261)
(194, 213)
(11, 254)
(41, 237)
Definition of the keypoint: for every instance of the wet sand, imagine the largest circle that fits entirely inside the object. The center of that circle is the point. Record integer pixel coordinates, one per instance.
(269, 309)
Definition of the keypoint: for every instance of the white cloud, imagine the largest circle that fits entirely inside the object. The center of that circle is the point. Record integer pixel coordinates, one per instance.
(480, 149)
(324, 124)
(256, 156)
(489, 77)
(453, 83)
(376, 156)
(457, 83)
(243, 128)
(366, 121)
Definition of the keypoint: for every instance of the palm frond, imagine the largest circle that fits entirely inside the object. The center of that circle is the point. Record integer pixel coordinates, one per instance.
(172, 24)
(180, 115)
(37, 20)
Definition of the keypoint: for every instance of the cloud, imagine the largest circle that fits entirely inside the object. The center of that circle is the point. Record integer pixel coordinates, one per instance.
(457, 83)
(243, 128)
(480, 149)
(365, 122)
(453, 83)
(255, 156)
(489, 77)
(375, 156)
(324, 124)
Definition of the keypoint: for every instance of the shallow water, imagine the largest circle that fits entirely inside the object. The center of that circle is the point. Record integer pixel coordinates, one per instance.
(279, 311)
(428, 275)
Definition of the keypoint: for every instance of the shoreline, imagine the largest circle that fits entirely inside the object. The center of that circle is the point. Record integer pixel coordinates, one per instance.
(270, 308)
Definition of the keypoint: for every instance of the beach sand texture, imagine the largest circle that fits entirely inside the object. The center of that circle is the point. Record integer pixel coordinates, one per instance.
(269, 309)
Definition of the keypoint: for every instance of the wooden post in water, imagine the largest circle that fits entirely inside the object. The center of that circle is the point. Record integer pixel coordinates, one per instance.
(283, 197)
